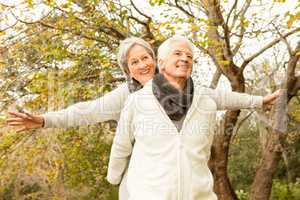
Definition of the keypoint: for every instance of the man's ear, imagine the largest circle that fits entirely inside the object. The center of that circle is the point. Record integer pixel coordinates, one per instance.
(161, 66)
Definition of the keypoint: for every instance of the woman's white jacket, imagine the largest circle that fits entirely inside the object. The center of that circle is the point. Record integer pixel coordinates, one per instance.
(167, 164)
(107, 107)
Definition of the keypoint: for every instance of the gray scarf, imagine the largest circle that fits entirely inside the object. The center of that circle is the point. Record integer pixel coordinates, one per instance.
(176, 103)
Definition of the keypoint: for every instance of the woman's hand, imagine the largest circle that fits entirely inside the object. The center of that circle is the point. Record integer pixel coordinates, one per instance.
(270, 99)
(25, 121)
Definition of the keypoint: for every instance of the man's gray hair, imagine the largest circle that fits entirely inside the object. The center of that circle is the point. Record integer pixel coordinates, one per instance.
(126, 45)
(166, 47)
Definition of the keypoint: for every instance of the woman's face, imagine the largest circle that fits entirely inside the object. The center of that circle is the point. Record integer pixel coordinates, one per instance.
(140, 64)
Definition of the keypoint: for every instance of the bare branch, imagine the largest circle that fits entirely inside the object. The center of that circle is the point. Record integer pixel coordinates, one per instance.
(242, 28)
(141, 13)
(240, 124)
(138, 20)
(284, 40)
(68, 13)
(240, 14)
(10, 39)
(240, 41)
(146, 24)
(205, 51)
(231, 10)
(30, 22)
(80, 34)
(71, 31)
(3, 30)
(9, 6)
(216, 78)
(245, 63)
(183, 10)
(118, 33)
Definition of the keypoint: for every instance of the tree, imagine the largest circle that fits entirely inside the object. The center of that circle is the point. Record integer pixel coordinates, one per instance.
(63, 54)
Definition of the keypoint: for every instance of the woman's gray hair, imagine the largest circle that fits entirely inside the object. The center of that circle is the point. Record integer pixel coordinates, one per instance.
(166, 47)
(126, 45)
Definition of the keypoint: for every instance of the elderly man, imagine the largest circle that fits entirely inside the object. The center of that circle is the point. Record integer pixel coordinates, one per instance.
(167, 129)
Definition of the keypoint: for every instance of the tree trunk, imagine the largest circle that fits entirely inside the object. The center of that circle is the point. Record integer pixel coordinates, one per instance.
(219, 157)
(262, 185)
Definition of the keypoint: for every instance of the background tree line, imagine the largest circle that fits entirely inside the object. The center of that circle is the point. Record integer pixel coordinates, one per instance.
(56, 53)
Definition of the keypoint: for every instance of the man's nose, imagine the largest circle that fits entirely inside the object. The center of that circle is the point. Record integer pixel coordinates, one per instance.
(184, 58)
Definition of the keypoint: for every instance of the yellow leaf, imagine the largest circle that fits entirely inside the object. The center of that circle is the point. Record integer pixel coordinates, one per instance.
(30, 4)
(290, 23)
(224, 62)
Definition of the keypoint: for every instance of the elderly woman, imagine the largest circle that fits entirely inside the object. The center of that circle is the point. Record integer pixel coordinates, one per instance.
(171, 124)
(137, 60)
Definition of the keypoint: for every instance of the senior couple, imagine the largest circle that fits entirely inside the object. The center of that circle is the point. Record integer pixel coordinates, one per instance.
(166, 127)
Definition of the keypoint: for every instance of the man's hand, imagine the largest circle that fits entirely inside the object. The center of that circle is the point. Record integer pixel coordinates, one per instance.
(270, 99)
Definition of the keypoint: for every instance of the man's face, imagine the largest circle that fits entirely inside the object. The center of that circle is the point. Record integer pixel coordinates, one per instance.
(179, 62)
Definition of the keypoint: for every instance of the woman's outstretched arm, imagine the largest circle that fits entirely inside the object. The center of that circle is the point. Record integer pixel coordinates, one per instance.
(107, 107)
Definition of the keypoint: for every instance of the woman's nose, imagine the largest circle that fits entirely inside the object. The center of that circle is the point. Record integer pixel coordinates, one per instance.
(142, 65)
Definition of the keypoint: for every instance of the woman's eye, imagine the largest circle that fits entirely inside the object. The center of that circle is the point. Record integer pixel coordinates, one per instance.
(145, 57)
(134, 62)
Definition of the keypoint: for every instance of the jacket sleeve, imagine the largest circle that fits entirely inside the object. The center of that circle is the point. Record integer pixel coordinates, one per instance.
(107, 107)
(122, 145)
(228, 100)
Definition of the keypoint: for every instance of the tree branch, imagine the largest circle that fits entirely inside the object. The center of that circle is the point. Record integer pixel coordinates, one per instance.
(284, 40)
(140, 12)
(238, 126)
(248, 60)
(240, 14)
(183, 10)
(231, 10)
(242, 28)
(3, 30)
(80, 34)
(216, 78)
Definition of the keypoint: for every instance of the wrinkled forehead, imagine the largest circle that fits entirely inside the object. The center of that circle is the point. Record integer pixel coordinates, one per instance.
(181, 46)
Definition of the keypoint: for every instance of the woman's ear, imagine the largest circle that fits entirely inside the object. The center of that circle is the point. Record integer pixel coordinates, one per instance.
(128, 72)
